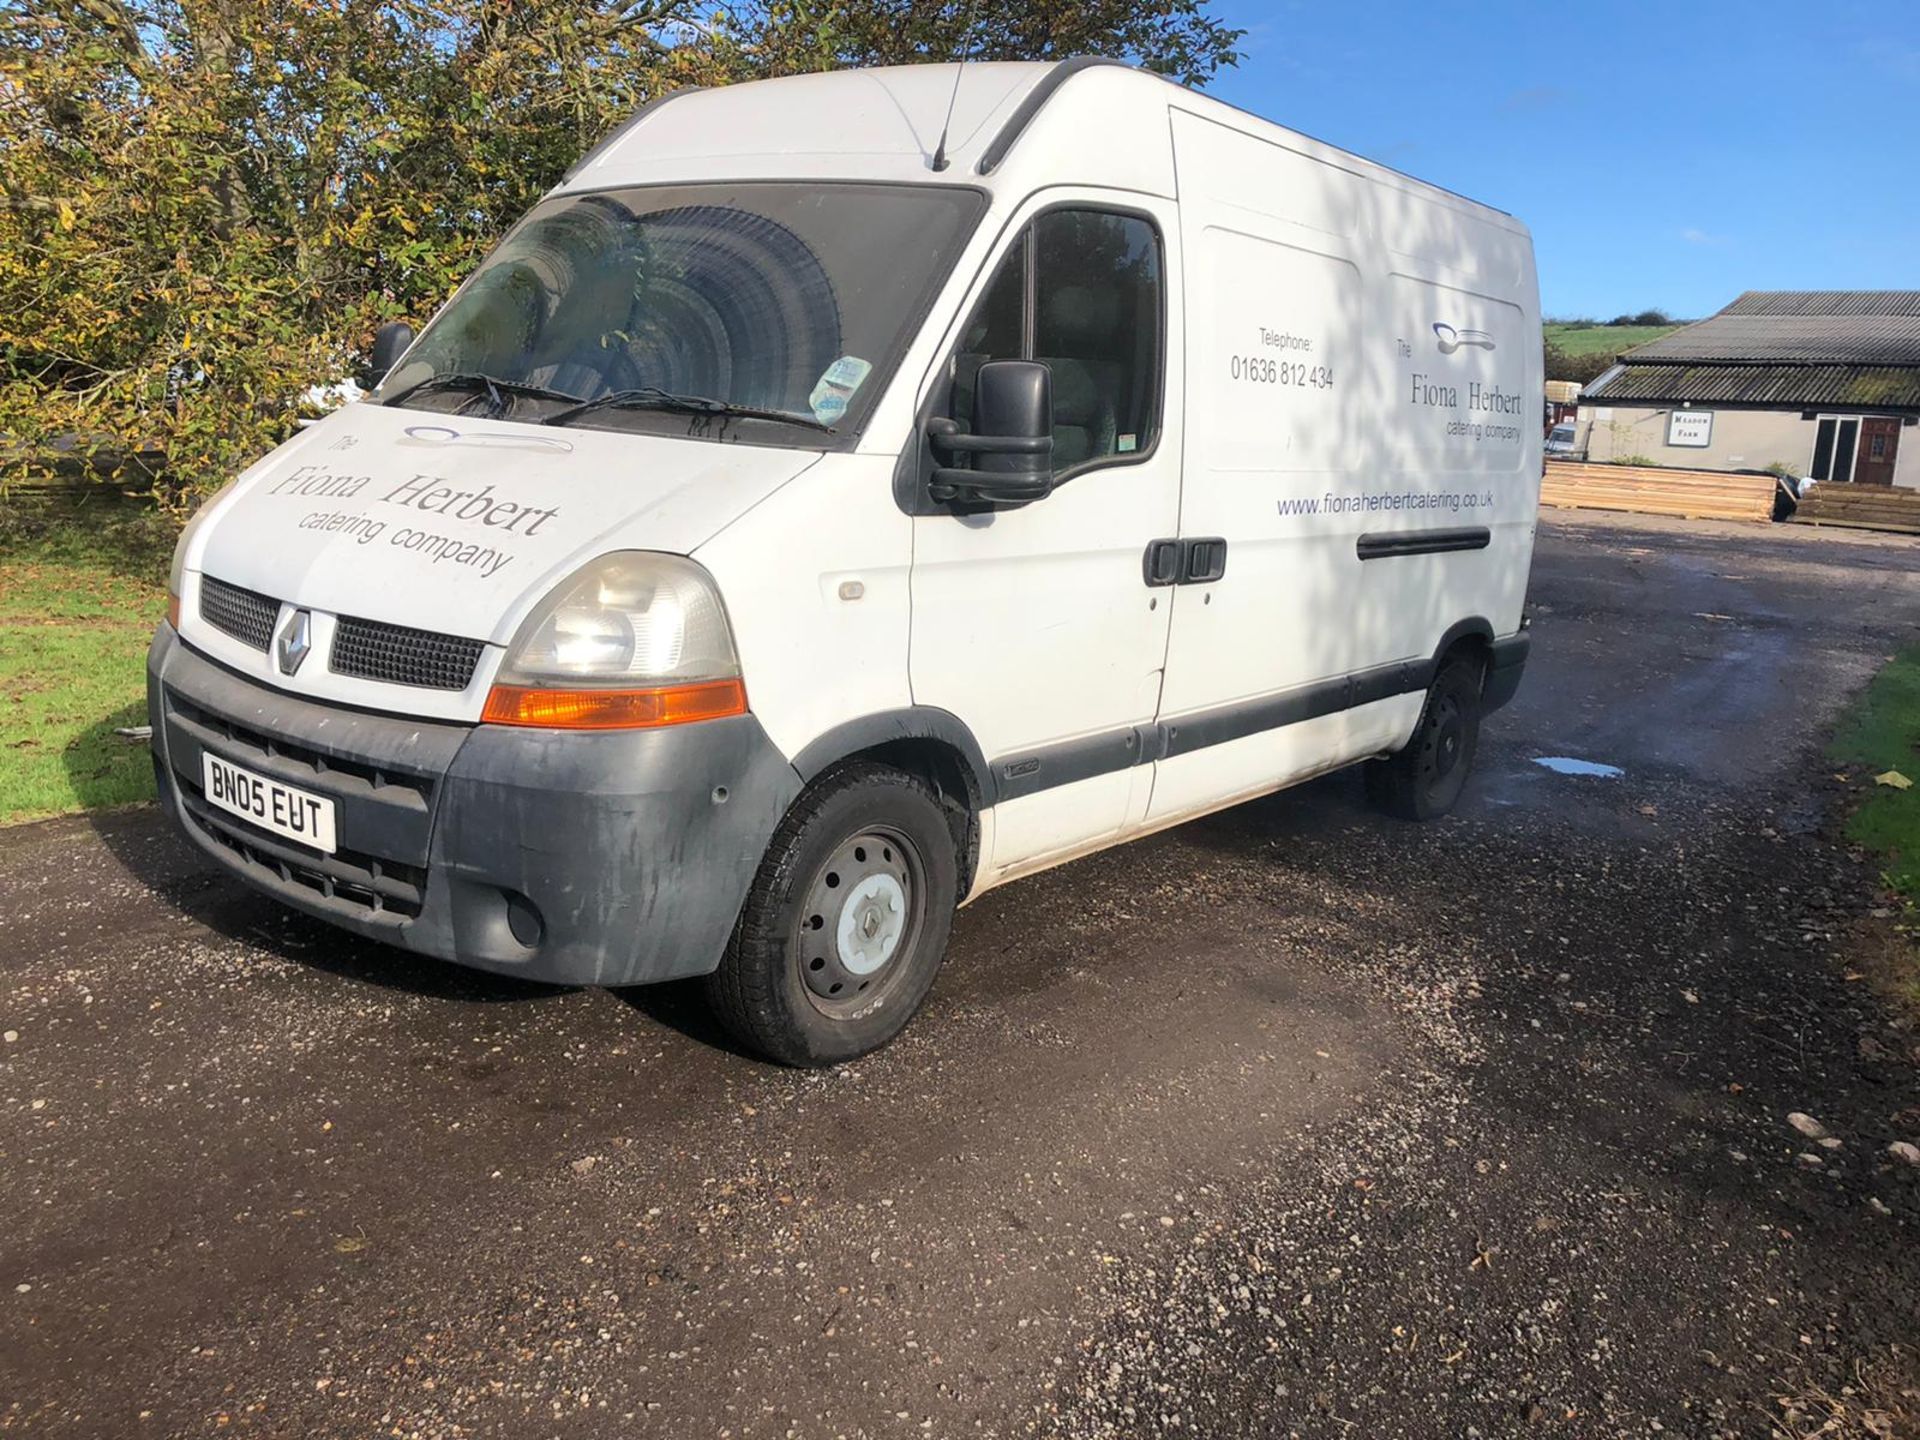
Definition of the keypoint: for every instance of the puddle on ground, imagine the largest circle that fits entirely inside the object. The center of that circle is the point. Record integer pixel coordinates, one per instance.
(1567, 765)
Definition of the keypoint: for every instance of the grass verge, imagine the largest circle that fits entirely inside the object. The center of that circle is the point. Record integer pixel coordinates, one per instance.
(80, 593)
(1882, 734)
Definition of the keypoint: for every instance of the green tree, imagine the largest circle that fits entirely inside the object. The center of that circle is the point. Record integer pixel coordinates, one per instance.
(1177, 38)
(208, 206)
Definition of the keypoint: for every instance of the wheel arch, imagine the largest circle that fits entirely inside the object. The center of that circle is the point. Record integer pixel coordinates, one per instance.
(1472, 636)
(922, 740)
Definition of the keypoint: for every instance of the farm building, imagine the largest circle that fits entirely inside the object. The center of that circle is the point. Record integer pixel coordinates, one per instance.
(1821, 383)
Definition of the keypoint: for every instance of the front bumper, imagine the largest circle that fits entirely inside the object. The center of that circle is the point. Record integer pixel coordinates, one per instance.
(581, 858)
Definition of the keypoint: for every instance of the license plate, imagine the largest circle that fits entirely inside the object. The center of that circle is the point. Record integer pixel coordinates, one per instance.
(294, 814)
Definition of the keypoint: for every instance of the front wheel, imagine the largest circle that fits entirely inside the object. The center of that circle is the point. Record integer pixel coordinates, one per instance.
(847, 921)
(1423, 781)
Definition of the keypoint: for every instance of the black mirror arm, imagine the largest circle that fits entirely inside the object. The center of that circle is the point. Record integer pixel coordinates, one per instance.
(950, 484)
(948, 435)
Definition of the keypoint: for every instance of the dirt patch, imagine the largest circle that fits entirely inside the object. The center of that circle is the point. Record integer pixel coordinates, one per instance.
(1881, 951)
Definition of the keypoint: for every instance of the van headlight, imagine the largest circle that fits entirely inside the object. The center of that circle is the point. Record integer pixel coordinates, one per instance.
(631, 640)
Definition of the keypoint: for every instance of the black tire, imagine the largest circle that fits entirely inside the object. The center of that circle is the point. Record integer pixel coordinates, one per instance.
(1422, 781)
(864, 844)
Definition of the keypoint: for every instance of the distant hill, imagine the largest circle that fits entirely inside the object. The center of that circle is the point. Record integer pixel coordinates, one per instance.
(1606, 340)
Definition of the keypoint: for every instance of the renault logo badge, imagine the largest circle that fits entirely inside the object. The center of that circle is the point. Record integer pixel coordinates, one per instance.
(294, 640)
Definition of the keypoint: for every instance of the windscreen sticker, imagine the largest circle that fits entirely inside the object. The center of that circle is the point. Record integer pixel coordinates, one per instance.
(835, 389)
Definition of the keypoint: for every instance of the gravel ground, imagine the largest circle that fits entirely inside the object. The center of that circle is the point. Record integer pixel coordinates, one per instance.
(1294, 1121)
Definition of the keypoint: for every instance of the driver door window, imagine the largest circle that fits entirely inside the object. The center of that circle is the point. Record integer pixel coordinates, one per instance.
(1080, 291)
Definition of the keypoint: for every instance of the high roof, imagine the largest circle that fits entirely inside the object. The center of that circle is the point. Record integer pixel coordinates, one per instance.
(875, 123)
(1102, 120)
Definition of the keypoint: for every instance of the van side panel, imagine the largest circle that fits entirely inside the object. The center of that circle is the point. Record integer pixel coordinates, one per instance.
(1364, 366)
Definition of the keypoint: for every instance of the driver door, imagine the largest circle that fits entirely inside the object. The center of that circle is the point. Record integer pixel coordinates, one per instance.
(1036, 625)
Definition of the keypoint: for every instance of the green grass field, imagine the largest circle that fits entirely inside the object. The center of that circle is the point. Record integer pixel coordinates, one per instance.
(1602, 339)
(78, 603)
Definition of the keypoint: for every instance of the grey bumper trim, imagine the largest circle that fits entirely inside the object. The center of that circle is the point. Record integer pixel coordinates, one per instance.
(609, 858)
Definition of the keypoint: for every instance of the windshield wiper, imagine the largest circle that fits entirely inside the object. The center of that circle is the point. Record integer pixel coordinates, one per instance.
(652, 397)
(495, 388)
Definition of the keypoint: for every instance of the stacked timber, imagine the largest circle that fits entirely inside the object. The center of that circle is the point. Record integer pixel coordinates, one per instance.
(1649, 490)
(1862, 507)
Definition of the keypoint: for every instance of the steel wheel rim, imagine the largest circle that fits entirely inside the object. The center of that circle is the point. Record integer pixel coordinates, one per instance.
(1446, 741)
(860, 921)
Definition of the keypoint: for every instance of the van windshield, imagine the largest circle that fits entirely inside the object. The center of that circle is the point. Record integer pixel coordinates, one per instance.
(679, 307)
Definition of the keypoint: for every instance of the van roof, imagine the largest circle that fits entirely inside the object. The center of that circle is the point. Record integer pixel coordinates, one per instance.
(885, 123)
(881, 123)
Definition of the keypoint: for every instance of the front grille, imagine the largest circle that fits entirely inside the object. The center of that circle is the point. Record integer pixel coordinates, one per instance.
(243, 614)
(373, 650)
(383, 806)
(249, 746)
(348, 879)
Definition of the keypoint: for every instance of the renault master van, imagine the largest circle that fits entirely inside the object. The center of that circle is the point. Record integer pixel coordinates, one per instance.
(845, 494)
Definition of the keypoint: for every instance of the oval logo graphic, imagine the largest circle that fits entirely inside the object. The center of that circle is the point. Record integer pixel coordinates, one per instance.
(1451, 339)
(447, 435)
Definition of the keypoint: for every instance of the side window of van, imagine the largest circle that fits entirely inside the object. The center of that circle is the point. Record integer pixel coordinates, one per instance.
(1081, 291)
(997, 330)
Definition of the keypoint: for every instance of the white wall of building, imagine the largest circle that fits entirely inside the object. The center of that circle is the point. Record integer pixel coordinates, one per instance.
(1738, 439)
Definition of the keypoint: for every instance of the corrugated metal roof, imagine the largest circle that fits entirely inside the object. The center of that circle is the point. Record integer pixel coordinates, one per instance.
(1816, 327)
(1854, 386)
(1811, 339)
(1826, 302)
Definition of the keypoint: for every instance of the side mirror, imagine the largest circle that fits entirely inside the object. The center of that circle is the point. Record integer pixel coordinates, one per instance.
(1011, 447)
(390, 342)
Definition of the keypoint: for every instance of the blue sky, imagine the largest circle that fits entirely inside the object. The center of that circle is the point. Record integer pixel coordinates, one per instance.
(1664, 155)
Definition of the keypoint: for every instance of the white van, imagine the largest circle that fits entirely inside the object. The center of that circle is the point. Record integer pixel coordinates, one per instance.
(844, 494)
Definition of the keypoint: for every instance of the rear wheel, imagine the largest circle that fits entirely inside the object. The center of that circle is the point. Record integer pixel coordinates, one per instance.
(847, 921)
(1423, 781)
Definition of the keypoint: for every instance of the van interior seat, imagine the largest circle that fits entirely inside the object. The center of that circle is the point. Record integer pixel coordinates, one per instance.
(1080, 340)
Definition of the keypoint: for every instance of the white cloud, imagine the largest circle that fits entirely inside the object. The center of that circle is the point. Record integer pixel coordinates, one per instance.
(1536, 97)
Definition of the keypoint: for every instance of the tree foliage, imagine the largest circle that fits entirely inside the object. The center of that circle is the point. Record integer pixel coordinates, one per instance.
(1581, 368)
(208, 206)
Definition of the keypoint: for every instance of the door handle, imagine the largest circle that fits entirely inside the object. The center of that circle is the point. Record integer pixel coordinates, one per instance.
(1184, 562)
(1163, 562)
(1203, 561)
